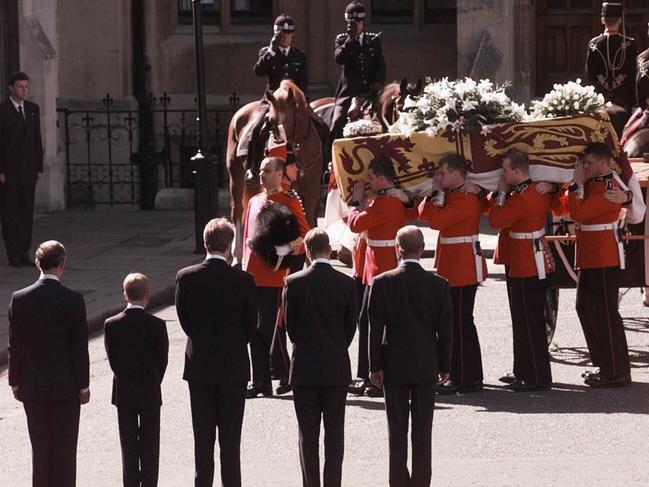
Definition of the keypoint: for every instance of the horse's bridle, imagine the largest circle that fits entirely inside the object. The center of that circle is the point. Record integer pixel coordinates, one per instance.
(297, 143)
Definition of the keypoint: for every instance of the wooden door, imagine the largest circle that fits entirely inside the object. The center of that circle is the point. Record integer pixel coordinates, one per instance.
(563, 29)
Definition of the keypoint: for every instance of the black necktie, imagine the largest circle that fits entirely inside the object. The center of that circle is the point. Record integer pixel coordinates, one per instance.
(20, 111)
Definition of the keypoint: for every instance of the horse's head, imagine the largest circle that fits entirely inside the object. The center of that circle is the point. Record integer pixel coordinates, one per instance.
(408, 89)
(287, 108)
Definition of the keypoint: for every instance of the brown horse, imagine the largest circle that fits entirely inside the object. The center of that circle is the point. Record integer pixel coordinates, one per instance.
(288, 108)
(394, 96)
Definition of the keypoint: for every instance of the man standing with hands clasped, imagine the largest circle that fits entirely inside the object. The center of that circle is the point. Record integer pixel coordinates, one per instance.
(411, 328)
(321, 310)
(49, 367)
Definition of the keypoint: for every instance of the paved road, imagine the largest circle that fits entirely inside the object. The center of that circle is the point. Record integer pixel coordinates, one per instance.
(570, 436)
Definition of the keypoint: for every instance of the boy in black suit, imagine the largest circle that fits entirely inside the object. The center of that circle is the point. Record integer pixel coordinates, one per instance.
(137, 347)
(49, 366)
(411, 320)
(321, 309)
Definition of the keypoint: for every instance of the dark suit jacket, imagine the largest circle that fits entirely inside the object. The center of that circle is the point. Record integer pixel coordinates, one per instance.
(137, 347)
(279, 67)
(21, 149)
(411, 330)
(217, 309)
(363, 64)
(48, 342)
(321, 309)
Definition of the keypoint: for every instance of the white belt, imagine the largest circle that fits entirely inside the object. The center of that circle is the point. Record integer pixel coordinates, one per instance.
(380, 243)
(539, 256)
(477, 253)
(603, 227)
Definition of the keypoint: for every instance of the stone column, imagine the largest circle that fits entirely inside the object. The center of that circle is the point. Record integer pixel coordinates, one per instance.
(485, 39)
(39, 59)
(319, 49)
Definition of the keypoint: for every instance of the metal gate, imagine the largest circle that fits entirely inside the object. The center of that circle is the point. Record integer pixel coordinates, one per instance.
(105, 164)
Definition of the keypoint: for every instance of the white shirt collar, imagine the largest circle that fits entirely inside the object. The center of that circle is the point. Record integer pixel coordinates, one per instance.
(360, 38)
(133, 306)
(410, 261)
(321, 260)
(48, 276)
(16, 104)
(285, 50)
(215, 256)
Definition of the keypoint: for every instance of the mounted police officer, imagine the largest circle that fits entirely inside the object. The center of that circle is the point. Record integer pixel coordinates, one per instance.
(361, 57)
(278, 61)
(611, 59)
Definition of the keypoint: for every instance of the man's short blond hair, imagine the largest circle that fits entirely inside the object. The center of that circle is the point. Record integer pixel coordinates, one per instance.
(136, 286)
(218, 235)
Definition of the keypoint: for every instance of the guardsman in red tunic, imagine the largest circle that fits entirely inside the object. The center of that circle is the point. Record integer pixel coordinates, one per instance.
(522, 209)
(456, 214)
(600, 256)
(380, 221)
(269, 281)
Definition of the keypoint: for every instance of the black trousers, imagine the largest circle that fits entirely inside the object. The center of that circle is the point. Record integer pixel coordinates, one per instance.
(17, 217)
(268, 299)
(339, 119)
(597, 308)
(313, 404)
(53, 431)
(217, 406)
(418, 401)
(531, 357)
(363, 367)
(466, 361)
(139, 437)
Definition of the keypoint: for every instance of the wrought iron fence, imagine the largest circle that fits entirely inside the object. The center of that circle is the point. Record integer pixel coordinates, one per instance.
(113, 156)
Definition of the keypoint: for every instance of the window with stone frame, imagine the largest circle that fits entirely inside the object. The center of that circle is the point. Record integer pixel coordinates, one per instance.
(393, 11)
(258, 12)
(440, 12)
(210, 9)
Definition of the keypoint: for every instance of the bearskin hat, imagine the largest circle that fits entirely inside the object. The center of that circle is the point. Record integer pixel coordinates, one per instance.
(276, 226)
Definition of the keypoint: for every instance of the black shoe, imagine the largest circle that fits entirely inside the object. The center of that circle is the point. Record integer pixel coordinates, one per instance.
(283, 389)
(508, 378)
(451, 387)
(255, 389)
(373, 391)
(590, 373)
(599, 382)
(251, 177)
(522, 386)
(26, 261)
(358, 387)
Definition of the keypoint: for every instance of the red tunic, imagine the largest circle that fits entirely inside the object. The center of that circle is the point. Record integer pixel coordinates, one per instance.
(358, 257)
(381, 220)
(264, 275)
(459, 217)
(525, 211)
(596, 249)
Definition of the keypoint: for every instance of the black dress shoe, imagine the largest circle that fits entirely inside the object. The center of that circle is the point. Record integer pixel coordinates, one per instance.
(508, 378)
(255, 389)
(590, 373)
(283, 389)
(451, 387)
(26, 261)
(599, 382)
(373, 391)
(358, 387)
(522, 386)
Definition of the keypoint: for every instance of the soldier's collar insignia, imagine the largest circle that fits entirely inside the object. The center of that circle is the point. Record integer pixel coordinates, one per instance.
(385, 191)
(273, 191)
(605, 177)
(520, 187)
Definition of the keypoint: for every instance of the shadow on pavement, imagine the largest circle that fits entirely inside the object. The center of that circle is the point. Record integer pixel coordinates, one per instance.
(562, 399)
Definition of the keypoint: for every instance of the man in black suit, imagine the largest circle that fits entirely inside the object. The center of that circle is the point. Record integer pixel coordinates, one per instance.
(217, 310)
(321, 309)
(363, 67)
(21, 164)
(411, 323)
(137, 347)
(49, 368)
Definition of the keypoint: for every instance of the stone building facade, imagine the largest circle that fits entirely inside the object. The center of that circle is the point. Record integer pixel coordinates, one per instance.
(77, 51)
